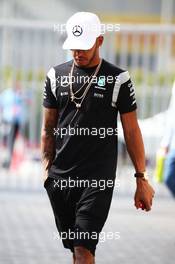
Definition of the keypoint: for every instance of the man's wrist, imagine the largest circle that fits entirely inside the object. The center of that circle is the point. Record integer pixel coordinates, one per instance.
(141, 176)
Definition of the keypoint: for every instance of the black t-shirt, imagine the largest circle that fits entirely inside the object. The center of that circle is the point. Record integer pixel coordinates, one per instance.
(86, 140)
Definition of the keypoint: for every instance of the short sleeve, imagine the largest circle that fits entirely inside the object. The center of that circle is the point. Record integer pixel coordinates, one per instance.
(126, 101)
(49, 94)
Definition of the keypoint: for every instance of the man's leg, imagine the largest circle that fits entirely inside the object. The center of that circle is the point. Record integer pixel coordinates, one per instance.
(83, 256)
(90, 220)
(169, 176)
(10, 142)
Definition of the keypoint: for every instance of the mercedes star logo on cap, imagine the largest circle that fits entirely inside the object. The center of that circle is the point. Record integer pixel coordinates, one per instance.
(77, 31)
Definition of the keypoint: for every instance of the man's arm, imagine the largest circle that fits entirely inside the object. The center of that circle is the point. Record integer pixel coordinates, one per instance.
(134, 143)
(50, 118)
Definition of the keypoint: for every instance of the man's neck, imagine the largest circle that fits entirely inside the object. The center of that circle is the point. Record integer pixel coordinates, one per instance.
(94, 63)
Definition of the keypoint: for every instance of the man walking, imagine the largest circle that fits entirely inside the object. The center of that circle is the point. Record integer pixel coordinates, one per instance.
(82, 99)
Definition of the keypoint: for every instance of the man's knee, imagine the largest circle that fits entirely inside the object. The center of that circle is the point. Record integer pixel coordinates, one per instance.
(83, 255)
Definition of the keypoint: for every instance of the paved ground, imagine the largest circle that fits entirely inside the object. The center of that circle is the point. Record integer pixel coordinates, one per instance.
(27, 229)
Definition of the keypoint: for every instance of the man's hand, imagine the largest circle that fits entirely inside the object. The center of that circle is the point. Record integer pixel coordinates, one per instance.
(143, 195)
(46, 165)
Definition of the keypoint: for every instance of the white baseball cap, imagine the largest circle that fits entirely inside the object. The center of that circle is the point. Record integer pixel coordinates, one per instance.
(82, 30)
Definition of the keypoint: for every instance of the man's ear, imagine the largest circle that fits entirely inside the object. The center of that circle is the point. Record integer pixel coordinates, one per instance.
(100, 41)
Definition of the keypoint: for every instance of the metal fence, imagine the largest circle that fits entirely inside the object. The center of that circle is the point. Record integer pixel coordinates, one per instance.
(148, 51)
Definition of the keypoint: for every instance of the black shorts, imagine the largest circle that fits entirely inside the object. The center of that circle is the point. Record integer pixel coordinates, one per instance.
(80, 213)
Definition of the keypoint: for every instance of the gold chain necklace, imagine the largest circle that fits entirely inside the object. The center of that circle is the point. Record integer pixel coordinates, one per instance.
(89, 77)
(82, 97)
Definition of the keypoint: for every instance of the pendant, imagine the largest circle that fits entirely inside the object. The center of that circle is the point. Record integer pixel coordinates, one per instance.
(78, 105)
